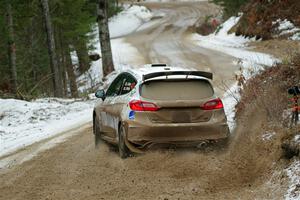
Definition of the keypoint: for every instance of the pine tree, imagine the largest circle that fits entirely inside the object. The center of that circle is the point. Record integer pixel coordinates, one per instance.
(12, 47)
(71, 21)
(107, 61)
(57, 80)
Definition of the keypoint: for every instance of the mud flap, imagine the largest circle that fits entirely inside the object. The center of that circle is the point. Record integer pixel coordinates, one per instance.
(132, 148)
(129, 145)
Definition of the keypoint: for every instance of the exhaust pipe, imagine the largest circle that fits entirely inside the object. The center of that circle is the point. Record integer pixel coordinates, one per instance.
(202, 145)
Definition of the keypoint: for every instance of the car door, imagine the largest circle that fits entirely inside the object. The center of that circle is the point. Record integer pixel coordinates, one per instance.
(117, 99)
(108, 106)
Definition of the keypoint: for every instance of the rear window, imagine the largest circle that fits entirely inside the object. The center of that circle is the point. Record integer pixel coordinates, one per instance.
(177, 89)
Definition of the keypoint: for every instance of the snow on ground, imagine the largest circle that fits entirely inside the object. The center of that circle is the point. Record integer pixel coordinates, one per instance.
(233, 45)
(124, 54)
(293, 173)
(296, 36)
(230, 99)
(23, 123)
(128, 20)
(286, 27)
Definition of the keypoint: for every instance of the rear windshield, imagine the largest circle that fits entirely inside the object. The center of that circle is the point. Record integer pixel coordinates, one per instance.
(177, 89)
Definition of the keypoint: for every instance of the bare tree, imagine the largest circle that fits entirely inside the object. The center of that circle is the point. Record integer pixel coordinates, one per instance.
(107, 61)
(57, 78)
(11, 46)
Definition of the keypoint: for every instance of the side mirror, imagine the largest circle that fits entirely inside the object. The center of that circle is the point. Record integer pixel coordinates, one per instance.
(94, 56)
(100, 94)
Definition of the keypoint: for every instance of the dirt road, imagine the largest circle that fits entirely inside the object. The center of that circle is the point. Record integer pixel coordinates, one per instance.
(74, 169)
(167, 39)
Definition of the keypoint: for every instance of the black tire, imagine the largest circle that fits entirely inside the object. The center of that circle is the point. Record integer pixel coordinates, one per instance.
(97, 132)
(123, 149)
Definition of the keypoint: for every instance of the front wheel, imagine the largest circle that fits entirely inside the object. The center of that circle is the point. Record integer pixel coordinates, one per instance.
(123, 149)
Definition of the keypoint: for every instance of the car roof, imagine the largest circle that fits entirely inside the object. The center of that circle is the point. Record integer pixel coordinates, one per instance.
(139, 72)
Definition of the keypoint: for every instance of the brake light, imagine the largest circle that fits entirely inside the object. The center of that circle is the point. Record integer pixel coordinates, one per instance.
(213, 105)
(138, 105)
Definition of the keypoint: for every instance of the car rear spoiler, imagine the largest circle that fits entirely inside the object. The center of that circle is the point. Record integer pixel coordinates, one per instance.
(186, 73)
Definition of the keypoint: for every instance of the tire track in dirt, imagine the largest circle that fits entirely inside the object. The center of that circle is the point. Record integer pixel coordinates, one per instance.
(76, 170)
(168, 40)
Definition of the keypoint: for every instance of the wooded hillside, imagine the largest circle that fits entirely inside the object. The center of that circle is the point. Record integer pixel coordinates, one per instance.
(261, 18)
(26, 69)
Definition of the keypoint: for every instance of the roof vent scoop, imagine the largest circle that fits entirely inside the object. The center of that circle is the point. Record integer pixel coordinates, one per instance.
(158, 65)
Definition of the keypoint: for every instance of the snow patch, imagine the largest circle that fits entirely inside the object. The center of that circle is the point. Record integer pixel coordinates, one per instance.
(23, 123)
(128, 21)
(295, 37)
(268, 136)
(124, 54)
(293, 173)
(230, 99)
(297, 138)
(233, 45)
(286, 27)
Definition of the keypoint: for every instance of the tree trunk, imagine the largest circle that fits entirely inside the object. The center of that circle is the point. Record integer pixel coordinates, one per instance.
(57, 80)
(71, 75)
(62, 59)
(31, 35)
(107, 61)
(12, 48)
(82, 54)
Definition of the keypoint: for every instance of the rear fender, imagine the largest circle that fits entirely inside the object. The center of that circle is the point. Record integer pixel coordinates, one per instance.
(131, 147)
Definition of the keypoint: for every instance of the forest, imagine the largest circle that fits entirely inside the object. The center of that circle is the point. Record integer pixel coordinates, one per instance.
(26, 60)
(231, 7)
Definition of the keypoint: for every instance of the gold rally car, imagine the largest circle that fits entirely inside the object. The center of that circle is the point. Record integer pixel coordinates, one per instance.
(158, 104)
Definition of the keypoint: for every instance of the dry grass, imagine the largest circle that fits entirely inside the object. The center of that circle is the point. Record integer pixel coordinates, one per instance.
(268, 91)
(263, 107)
(259, 15)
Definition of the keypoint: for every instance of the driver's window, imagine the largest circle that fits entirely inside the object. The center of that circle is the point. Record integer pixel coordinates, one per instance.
(114, 88)
(128, 85)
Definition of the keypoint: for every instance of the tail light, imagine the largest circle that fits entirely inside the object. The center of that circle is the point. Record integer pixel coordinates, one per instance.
(138, 105)
(213, 105)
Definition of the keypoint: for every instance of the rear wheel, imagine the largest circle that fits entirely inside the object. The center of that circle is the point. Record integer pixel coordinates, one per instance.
(97, 132)
(123, 149)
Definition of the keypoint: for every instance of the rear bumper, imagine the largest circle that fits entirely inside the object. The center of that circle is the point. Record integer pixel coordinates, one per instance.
(189, 133)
